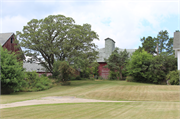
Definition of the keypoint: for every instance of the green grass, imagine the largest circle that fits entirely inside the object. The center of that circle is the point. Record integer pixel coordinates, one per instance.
(125, 110)
(157, 101)
(106, 90)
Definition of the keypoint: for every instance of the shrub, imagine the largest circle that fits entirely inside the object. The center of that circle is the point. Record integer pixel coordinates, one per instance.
(173, 77)
(44, 75)
(138, 66)
(36, 83)
(150, 69)
(113, 75)
(129, 79)
(65, 83)
(75, 78)
(78, 78)
(56, 72)
(12, 74)
(50, 76)
(66, 71)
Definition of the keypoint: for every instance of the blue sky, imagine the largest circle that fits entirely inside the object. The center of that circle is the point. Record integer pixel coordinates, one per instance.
(125, 21)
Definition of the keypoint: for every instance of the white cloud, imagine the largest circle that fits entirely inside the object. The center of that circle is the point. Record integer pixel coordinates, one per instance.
(120, 20)
(12, 24)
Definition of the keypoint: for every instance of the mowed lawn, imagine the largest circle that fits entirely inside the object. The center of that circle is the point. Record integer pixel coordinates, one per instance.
(124, 110)
(106, 90)
(157, 101)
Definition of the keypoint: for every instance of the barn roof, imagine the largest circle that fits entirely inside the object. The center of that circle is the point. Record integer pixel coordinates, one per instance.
(34, 67)
(103, 54)
(4, 37)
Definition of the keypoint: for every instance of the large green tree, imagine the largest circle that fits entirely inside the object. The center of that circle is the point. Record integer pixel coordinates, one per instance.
(12, 74)
(138, 66)
(147, 68)
(57, 37)
(157, 45)
(148, 44)
(117, 61)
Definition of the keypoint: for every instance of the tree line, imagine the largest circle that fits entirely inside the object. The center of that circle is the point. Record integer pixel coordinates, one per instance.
(153, 62)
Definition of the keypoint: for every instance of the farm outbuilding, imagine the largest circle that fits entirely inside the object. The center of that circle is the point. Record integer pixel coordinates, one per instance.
(7, 41)
(105, 53)
(176, 47)
(29, 67)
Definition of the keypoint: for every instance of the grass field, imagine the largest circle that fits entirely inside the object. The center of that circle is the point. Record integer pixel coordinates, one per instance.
(128, 110)
(158, 101)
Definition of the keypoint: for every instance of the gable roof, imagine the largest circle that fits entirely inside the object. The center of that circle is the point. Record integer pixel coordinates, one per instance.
(34, 67)
(4, 37)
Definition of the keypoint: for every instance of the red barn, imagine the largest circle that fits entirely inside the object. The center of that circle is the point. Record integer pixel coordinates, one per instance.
(7, 41)
(105, 53)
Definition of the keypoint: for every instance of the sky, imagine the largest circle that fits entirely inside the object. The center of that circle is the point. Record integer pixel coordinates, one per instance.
(124, 21)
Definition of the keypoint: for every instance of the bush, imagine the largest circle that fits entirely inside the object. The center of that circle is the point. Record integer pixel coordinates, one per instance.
(129, 79)
(56, 72)
(44, 75)
(78, 78)
(66, 71)
(65, 83)
(36, 83)
(75, 78)
(173, 77)
(113, 75)
(50, 76)
(150, 69)
(138, 66)
(12, 74)
(101, 78)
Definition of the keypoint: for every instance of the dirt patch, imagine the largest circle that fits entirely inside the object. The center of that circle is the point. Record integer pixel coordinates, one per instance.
(53, 100)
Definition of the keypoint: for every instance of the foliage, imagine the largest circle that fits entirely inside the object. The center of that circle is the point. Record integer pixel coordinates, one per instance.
(36, 83)
(113, 75)
(148, 44)
(117, 61)
(163, 42)
(78, 78)
(56, 72)
(75, 78)
(138, 66)
(129, 79)
(45, 75)
(58, 37)
(124, 73)
(162, 39)
(12, 74)
(173, 77)
(86, 66)
(150, 69)
(66, 71)
(94, 68)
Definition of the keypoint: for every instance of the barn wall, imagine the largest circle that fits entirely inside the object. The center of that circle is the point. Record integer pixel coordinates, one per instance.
(47, 73)
(103, 72)
(10, 46)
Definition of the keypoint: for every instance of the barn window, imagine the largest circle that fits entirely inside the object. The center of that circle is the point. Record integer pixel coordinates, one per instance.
(11, 40)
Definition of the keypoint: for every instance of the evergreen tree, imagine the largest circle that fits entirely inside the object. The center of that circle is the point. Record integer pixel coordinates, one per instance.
(117, 61)
(12, 75)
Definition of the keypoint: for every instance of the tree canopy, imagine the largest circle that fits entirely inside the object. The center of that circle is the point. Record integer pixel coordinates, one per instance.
(117, 61)
(57, 37)
(147, 68)
(162, 42)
